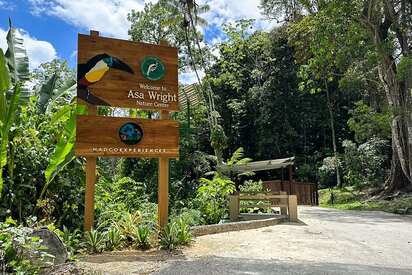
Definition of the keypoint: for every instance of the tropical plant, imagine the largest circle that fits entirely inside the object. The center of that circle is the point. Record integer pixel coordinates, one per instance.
(142, 236)
(212, 197)
(64, 152)
(114, 239)
(94, 241)
(71, 239)
(19, 251)
(8, 109)
(169, 236)
(127, 225)
(184, 236)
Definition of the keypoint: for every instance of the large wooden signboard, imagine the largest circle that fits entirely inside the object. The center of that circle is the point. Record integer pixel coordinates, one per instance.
(120, 73)
(108, 136)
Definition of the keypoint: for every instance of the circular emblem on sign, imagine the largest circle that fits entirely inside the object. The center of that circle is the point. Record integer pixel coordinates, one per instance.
(152, 68)
(130, 133)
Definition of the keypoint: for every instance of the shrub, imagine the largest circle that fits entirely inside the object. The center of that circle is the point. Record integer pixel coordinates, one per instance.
(72, 240)
(169, 236)
(19, 251)
(127, 225)
(252, 187)
(190, 216)
(142, 236)
(113, 239)
(184, 236)
(212, 197)
(363, 164)
(94, 241)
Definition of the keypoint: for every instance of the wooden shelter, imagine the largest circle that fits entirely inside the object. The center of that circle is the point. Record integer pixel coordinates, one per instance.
(307, 193)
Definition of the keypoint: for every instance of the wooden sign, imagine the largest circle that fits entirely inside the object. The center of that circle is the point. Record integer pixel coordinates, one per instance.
(126, 137)
(120, 73)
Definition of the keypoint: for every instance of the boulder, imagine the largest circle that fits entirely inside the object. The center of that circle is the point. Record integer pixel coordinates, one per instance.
(54, 246)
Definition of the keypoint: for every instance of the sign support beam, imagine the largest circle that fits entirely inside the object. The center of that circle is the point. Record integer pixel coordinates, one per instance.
(163, 185)
(90, 184)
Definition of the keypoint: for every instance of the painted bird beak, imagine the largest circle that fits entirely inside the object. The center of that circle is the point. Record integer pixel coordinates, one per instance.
(120, 65)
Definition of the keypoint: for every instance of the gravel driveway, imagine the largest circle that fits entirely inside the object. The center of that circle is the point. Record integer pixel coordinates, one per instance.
(327, 241)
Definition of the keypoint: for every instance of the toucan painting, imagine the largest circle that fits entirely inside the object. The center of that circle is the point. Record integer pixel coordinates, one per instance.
(94, 70)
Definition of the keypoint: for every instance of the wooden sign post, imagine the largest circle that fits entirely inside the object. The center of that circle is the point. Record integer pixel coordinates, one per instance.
(120, 73)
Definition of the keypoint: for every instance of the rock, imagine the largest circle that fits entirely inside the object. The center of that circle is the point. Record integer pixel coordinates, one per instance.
(54, 246)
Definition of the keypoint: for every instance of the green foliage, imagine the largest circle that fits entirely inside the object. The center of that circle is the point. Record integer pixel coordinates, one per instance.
(190, 216)
(252, 187)
(94, 241)
(175, 233)
(64, 151)
(212, 198)
(19, 251)
(72, 240)
(348, 199)
(142, 236)
(327, 171)
(184, 236)
(168, 236)
(363, 164)
(127, 225)
(17, 61)
(367, 123)
(114, 239)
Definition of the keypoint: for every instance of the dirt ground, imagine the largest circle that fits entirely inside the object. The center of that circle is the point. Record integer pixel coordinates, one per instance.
(327, 241)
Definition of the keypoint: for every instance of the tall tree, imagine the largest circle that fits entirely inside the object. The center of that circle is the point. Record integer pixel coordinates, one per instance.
(384, 28)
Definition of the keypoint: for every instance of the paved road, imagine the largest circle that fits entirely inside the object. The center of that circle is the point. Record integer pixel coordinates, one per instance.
(326, 241)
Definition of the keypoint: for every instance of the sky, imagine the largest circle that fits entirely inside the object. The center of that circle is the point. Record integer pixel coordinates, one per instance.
(50, 27)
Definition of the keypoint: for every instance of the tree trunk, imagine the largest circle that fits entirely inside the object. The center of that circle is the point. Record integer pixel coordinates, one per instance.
(379, 20)
(332, 128)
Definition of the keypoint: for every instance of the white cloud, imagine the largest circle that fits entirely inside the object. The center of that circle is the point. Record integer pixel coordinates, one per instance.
(190, 77)
(7, 5)
(227, 11)
(38, 51)
(106, 16)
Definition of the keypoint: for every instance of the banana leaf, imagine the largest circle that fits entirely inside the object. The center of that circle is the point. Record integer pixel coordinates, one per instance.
(6, 124)
(64, 151)
(17, 61)
(49, 93)
(46, 93)
(4, 86)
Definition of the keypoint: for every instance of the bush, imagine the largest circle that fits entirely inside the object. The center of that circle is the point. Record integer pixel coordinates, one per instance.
(327, 172)
(168, 236)
(19, 251)
(190, 216)
(184, 236)
(212, 198)
(174, 234)
(142, 236)
(72, 240)
(252, 187)
(113, 238)
(363, 164)
(94, 241)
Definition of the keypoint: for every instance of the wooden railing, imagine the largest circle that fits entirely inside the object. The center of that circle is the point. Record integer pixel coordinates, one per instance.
(286, 203)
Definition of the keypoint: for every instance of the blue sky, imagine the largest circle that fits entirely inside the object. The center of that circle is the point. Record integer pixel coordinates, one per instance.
(50, 27)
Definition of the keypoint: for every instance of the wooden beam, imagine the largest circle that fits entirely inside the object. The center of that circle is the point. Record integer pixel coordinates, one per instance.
(293, 208)
(90, 184)
(234, 207)
(163, 185)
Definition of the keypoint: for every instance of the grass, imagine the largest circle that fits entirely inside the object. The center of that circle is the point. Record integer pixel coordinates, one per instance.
(349, 199)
